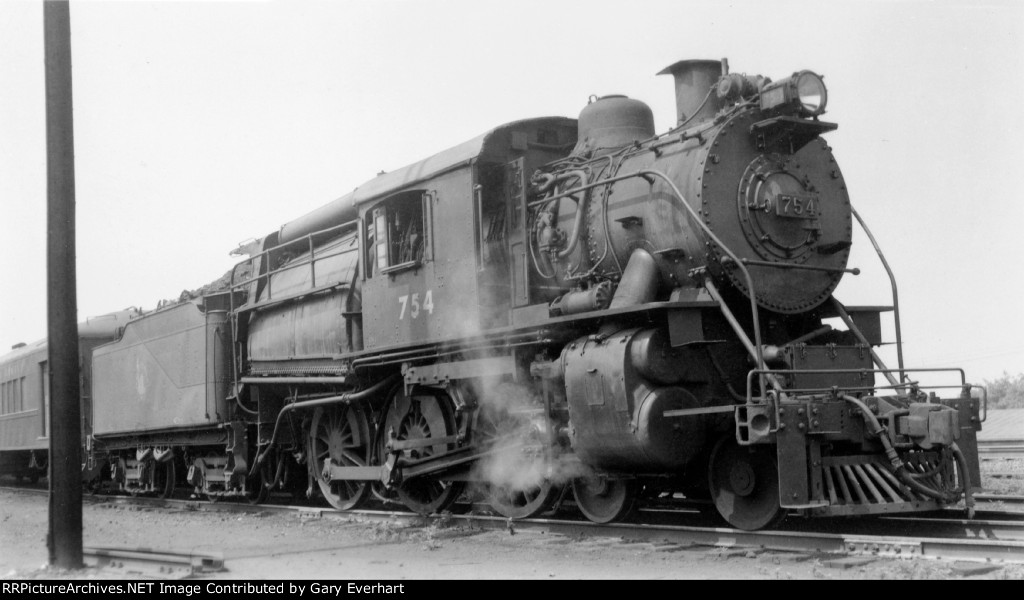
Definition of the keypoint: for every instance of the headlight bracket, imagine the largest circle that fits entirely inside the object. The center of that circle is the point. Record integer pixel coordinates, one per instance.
(788, 134)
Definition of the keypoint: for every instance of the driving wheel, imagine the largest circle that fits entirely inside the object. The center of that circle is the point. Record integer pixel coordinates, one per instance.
(422, 415)
(516, 466)
(339, 435)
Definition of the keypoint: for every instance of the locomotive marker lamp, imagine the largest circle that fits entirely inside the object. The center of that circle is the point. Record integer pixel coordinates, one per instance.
(804, 93)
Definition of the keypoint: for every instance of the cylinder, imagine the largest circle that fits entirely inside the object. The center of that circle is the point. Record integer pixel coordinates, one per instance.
(669, 442)
(695, 80)
(617, 418)
(654, 358)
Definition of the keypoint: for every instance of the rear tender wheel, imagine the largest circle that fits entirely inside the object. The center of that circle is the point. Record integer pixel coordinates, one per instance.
(37, 469)
(339, 435)
(132, 488)
(604, 500)
(425, 414)
(205, 485)
(744, 484)
(165, 476)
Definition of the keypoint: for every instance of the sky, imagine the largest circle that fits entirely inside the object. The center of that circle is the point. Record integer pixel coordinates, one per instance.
(200, 125)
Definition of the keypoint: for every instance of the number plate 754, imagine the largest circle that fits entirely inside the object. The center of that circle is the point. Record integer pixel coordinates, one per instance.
(796, 207)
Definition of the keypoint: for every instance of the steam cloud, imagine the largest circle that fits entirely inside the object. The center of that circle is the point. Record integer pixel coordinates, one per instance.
(521, 457)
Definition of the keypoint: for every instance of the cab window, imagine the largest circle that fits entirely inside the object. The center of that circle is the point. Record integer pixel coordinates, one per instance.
(396, 233)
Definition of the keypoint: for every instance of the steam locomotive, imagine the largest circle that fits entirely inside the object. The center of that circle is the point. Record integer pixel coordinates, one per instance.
(554, 304)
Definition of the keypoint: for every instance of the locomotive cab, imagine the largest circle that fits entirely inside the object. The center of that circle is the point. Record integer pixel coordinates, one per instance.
(444, 241)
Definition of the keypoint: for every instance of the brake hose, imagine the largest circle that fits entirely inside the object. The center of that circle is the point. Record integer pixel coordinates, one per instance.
(901, 472)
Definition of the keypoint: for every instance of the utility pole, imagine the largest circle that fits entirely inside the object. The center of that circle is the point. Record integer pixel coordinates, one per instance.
(64, 539)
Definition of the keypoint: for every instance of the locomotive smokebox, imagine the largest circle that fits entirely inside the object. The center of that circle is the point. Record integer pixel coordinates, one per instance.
(611, 122)
(695, 82)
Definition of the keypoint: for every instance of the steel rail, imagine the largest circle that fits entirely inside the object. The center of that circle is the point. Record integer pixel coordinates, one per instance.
(967, 549)
(1006, 551)
(157, 564)
(1000, 449)
(1005, 498)
(681, 506)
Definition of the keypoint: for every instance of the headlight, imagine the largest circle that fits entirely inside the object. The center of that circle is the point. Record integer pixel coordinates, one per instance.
(803, 93)
(810, 89)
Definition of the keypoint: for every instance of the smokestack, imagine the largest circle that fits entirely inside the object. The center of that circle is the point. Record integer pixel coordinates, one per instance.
(695, 81)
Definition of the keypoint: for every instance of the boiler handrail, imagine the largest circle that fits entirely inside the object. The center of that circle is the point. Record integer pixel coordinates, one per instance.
(895, 295)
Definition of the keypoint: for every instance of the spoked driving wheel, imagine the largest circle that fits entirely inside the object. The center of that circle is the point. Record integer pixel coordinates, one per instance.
(516, 466)
(339, 435)
(520, 503)
(423, 415)
(744, 484)
(602, 499)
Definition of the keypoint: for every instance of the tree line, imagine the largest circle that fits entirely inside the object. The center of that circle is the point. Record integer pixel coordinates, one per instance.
(1006, 391)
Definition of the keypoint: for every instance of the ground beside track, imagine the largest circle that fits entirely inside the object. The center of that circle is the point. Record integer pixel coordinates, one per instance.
(264, 545)
(1003, 476)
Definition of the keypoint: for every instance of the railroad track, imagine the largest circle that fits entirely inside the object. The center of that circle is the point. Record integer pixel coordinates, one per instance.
(998, 449)
(999, 498)
(995, 536)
